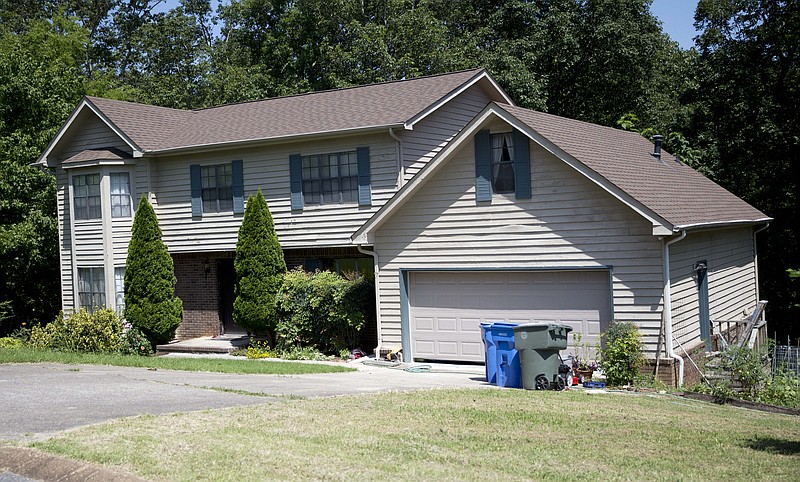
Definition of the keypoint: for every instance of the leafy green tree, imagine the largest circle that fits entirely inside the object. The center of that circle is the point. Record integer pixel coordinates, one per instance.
(746, 123)
(259, 268)
(40, 84)
(150, 301)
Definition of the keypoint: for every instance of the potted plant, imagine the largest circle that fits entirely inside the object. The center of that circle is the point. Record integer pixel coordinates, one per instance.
(582, 366)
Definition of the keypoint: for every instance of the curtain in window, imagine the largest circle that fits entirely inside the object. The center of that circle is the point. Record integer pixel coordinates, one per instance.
(502, 163)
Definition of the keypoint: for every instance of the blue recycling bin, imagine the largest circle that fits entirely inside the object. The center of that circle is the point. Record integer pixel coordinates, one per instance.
(502, 358)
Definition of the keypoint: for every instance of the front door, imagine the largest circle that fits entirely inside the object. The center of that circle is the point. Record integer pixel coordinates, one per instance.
(227, 278)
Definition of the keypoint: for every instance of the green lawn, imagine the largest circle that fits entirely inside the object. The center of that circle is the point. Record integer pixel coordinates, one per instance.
(451, 435)
(222, 365)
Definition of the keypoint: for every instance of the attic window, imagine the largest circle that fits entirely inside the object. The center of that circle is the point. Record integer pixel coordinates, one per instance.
(502, 163)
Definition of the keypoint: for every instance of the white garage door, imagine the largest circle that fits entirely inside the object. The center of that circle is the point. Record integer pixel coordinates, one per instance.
(447, 307)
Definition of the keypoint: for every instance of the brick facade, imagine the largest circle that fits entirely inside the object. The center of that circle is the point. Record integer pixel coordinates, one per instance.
(198, 288)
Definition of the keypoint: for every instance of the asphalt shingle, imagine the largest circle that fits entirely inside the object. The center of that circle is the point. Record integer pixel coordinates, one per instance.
(671, 189)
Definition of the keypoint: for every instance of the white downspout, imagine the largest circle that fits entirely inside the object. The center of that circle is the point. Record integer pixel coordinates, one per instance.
(374, 255)
(400, 177)
(668, 309)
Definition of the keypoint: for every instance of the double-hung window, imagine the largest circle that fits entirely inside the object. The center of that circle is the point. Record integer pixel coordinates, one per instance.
(86, 196)
(502, 163)
(330, 178)
(217, 188)
(91, 288)
(120, 195)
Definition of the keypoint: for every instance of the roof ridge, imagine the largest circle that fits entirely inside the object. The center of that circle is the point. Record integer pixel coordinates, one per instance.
(340, 89)
(154, 106)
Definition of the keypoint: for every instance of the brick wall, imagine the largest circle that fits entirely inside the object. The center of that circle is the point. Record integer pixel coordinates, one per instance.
(198, 288)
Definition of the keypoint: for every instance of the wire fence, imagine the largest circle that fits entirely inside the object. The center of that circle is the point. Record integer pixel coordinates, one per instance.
(784, 358)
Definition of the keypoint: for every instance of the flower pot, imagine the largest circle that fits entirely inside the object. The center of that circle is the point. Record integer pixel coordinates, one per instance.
(584, 375)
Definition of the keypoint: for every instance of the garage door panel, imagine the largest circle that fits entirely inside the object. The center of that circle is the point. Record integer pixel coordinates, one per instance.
(447, 307)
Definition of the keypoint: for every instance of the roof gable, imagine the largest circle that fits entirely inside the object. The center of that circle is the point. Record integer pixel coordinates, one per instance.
(616, 160)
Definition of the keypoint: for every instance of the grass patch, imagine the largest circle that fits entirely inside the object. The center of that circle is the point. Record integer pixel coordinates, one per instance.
(451, 435)
(221, 365)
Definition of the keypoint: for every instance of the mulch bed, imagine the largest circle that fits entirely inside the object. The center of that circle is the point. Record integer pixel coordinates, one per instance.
(736, 402)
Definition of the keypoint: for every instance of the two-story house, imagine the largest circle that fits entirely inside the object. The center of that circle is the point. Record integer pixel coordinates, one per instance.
(462, 206)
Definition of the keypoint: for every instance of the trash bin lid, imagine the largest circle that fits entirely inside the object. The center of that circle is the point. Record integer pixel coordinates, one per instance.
(541, 327)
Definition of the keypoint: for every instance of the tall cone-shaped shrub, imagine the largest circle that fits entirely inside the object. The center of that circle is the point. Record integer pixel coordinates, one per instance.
(150, 301)
(259, 267)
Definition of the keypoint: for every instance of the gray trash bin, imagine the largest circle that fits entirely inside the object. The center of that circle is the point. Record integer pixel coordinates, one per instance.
(538, 345)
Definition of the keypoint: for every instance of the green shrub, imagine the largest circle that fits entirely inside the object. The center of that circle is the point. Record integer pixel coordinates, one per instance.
(133, 342)
(150, 302)
(97, 332)
(322, 310)
(259, 268)
(748, 367)
(621, 353)
(782, 389)
(11, 343)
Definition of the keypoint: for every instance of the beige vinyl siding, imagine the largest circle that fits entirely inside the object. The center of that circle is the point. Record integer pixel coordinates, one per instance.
(432, 133)
(64, 239)
(729, 255)
(88, 132)
(569, 223)
(267, 168)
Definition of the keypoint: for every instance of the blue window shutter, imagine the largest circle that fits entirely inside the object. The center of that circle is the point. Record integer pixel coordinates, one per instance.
(522, 165)
(238, 187)
(483, 167)
(296, 181)
(197, 190)
(364, 191)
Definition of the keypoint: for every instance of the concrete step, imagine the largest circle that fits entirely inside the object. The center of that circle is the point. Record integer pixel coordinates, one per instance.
(208, 344)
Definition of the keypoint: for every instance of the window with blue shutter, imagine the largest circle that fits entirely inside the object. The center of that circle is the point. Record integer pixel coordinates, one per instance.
(522, 165)
(197, 190)
(296, 181)
(217, 188)
(238, 187)
(483, 167)
(364, 189)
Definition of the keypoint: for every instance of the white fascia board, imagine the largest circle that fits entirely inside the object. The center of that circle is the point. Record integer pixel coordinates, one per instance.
(723, 224)
(84, 104)
(409, 125)
(365, 234)
(660, 225)
(115, 162)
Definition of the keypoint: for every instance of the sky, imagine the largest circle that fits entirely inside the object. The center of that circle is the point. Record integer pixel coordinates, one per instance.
(677, 17)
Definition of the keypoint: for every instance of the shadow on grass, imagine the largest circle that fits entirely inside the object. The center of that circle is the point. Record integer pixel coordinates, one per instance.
(775, 445)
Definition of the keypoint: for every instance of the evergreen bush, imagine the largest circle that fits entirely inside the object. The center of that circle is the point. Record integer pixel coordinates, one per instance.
(323, 310)
(259, 268)
(150, 302)
(621, 353)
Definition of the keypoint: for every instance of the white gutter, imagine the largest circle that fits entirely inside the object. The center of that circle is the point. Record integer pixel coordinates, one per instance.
(668, 309)
(755, 257)
(399, 157)
(376, 266)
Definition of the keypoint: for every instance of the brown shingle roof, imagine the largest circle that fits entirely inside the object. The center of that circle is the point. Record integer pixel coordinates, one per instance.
(377, 105)
(671, 189)
(108, 154)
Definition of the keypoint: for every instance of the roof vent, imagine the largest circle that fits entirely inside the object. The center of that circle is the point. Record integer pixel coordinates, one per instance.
(657, 148)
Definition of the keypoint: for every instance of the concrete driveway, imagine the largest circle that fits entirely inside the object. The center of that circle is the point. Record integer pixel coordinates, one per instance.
(39, 400)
